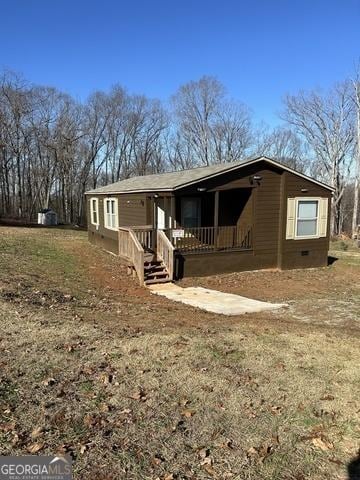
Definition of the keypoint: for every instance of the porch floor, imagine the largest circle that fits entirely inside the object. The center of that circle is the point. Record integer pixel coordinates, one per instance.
(212, 300)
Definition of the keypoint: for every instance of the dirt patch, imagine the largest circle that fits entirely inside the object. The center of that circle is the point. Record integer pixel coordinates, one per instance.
(322, 296)
(137, 387)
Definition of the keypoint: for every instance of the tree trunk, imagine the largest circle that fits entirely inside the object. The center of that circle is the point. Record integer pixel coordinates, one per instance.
(356, 208)
(357, 163)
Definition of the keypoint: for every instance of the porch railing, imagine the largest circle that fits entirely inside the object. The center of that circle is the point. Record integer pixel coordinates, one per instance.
(146, 235)
(131, 249)
(165, 251)
(206, 239)
(135, 241)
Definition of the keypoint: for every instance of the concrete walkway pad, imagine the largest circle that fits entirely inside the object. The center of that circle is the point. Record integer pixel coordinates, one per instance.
(212, 300)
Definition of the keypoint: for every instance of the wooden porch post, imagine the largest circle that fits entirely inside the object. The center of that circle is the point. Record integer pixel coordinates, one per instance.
(172, 212)
(216, 217)
(216, 209)
(152, 212)
(154, 217)
(167, 214)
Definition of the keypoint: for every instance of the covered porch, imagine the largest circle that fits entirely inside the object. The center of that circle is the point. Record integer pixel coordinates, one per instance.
(205, 221)
(185, 224)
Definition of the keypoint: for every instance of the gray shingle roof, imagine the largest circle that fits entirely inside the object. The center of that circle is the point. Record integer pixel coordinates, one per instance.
(174, 180)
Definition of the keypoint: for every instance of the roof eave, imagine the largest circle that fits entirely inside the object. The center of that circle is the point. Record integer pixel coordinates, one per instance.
(254, 160)
(121, 192)
(207, 177)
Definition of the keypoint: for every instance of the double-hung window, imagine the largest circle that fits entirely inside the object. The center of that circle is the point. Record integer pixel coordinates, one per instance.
(111, 213)
(94, 211)
(307, 217)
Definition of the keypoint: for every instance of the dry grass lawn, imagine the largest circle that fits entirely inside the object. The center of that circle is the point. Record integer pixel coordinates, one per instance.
(134, 386)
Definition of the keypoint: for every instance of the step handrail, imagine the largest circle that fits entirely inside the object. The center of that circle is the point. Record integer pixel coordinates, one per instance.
(131, 249)
(165, 251)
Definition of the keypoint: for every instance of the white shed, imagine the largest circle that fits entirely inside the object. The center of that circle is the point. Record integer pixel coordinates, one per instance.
(47, 217)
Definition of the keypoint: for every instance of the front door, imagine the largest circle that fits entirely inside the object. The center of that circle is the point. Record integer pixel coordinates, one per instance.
(160, 214)
(190, 212)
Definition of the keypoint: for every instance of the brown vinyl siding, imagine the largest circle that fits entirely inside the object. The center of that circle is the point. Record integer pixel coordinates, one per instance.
(266, 216)
(292, 251)
(101, 236)
(203, 264)
(132, 210)
(263, 205)
(270, 248)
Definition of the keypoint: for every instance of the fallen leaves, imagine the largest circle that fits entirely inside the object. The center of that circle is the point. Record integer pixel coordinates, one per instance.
(227, 444)
(48, 382)
(318, 438)
(104, 408)
(83, 449)
(91, 420)
(322, 443)
(139, 394)
(180, 426)
(206, 464)
(157, 460)
(327, 397)
(189, 412)
(37, 432)
(182, 409)
(35, 448)
(206, 461)
(7, 427)
(275, 409)
(261, 453)
(169, 476)
(105, 378)
(183, 402)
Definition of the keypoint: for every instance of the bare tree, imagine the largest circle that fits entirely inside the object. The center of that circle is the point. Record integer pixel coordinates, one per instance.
(52, 148)
(210, 126)
(325, 122)
(118, 136)
(178, 152)
(231, 132)
(149, 122)
(15, 108)
(356, 97)
(285, 145)
(196, 107)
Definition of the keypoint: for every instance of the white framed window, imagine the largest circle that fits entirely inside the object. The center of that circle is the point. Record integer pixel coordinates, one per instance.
(306, 218)
(94, 211)
(111, 213)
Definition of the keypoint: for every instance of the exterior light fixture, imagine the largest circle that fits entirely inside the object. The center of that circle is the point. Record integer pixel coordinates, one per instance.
(156, 195)
(201, 189)
(255, 179)
(304, 190)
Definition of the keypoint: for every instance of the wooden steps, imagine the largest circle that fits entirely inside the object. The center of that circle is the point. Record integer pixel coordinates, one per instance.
(157, 280)
(155, 270)
(148, 252)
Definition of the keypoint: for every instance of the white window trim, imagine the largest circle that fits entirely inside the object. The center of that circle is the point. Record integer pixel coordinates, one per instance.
(306, 199)
(92, 211)
(116, 213)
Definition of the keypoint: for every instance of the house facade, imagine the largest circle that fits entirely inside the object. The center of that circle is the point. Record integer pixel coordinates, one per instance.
(248, 215)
